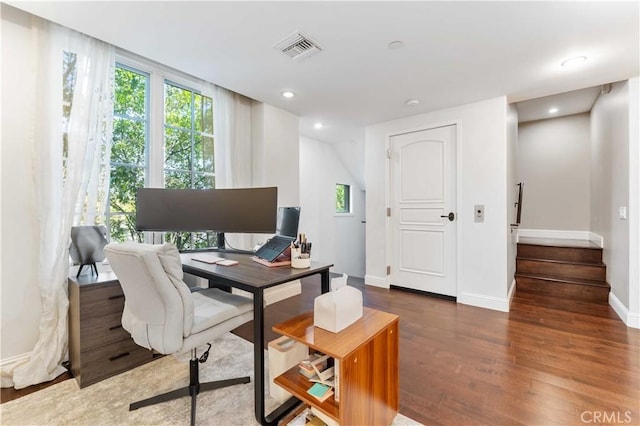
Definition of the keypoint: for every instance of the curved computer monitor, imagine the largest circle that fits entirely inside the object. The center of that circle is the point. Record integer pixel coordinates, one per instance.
(233, 210)
(287, 222)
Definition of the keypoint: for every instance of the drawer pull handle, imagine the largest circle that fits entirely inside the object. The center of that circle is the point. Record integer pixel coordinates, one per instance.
(115, 327)
(120, 296)
(113, 358)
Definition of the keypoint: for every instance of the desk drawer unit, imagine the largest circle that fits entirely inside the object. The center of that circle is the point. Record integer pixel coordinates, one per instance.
(102, 330)
(98, 345)
(106, 361)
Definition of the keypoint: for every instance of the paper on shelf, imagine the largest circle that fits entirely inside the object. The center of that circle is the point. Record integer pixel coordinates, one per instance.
(336, 379)
(323, 376)
(318, 390)
(328, 420)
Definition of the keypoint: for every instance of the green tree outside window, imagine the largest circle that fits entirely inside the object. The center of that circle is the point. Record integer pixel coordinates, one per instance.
(188, 152)
(129, 149)
(343, 198)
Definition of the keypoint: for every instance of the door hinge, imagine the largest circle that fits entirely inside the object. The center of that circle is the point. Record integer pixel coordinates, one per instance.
(388, 211)
(389, 154)
(388, 269)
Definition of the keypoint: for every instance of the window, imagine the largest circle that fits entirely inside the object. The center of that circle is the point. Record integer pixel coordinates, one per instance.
(188, 151)
(343, 198)
(69, 74)
(162, 137)
(129, 151)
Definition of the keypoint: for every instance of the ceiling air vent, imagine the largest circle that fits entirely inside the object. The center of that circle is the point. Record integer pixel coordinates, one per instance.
(298, 46)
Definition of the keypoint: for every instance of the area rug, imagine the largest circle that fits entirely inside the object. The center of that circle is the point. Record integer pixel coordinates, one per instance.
(107, 402)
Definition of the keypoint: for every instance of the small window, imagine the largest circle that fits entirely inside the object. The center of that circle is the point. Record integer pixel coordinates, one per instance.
(343, 198)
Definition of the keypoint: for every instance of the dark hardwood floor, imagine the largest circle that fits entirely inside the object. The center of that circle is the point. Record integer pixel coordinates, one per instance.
(546, 362)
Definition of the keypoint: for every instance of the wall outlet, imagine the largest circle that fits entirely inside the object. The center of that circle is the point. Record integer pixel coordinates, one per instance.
(478, 213)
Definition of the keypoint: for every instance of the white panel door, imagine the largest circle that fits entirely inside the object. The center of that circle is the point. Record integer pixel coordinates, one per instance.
(422, 172)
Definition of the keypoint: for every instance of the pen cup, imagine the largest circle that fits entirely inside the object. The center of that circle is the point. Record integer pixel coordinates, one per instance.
(298, 262)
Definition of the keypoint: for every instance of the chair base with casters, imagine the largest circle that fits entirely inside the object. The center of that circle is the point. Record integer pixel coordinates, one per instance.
(194, 388)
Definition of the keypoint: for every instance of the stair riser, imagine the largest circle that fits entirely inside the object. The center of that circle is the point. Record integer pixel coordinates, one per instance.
(570, 291)
(567, 254)
(561, 270)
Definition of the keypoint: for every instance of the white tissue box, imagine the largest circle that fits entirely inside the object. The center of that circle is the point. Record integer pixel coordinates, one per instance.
(336, 310)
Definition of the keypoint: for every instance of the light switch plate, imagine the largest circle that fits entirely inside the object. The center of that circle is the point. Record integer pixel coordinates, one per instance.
(622, 213)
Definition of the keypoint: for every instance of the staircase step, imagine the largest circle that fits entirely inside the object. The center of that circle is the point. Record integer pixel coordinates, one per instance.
(564, 253)
(583, 290)
(561, 269)
(592, 283)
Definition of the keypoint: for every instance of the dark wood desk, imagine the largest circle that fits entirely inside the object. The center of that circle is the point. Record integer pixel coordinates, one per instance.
(255, 278)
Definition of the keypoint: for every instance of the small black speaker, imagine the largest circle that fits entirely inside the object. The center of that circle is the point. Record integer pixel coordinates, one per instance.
(87, 246)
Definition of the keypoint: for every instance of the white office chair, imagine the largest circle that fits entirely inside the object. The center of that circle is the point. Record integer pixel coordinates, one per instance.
(162, 314)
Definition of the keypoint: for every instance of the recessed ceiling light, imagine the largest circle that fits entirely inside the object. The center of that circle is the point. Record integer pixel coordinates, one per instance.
(412, 102)
(288, 94)
(553, 110)
(395, 44)
(318, 126)
(573, 62)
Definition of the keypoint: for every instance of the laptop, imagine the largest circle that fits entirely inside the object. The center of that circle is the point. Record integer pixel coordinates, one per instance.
(274, 247)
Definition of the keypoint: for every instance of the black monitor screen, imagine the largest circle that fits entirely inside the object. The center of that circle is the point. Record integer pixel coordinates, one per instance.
(241, 210)
(287, 224)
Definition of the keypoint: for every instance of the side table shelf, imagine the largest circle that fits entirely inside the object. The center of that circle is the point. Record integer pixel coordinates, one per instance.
(367, 352)
(98, 345)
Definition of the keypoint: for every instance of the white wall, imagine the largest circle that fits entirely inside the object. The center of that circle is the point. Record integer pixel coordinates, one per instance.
(337, 239)
(275, 151)
(482, 179)
(275, 154)
(554, 164)
(19, 289)
(634, 202)
(512, 192)
(351, 154)
(610, 184)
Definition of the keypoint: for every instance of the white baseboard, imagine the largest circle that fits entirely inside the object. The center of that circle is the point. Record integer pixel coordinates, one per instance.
(376, 281)
(596, 239)
(511, 292)
(484, 301)
(631, 319)
(7, 365)
(554, 233)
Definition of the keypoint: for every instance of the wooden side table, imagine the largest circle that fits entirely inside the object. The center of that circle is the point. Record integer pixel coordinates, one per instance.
(367, 353)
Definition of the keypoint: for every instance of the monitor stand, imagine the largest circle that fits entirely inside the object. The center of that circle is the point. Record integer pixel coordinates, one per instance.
(221, 241)
(222, 246)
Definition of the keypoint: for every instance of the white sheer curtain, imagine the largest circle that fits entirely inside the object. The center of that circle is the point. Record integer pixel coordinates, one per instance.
(90, 129)
(232, 134)
(65, 196)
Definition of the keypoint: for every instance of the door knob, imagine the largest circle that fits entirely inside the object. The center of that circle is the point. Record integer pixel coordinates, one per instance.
(450, 216)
